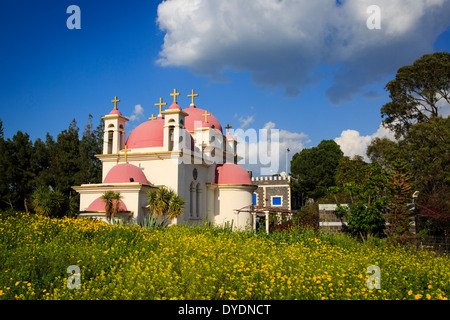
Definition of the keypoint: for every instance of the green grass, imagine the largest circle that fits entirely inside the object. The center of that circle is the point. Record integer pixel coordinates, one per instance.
(180, 262)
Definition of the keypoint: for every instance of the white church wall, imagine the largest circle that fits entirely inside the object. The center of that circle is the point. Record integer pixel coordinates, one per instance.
(231, 198)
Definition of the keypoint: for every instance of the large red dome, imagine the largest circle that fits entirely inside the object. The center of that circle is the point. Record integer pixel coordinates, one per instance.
(229, 173)
(148, 135)
(196, 119)
(124, 172)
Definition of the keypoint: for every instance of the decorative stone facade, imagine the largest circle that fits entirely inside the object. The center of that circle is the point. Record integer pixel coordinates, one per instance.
(276, 192)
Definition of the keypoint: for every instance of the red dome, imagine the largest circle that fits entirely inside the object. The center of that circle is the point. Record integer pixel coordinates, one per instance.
(148, 135)
(229, 173)
(115, 111)
(99, 206)
(122, 173)
(174, 106)
(196, 119)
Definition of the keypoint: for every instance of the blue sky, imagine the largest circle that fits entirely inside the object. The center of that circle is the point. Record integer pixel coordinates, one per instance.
(309, 68)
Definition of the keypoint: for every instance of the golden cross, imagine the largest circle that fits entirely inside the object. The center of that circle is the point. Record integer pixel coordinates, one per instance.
(160, 105)
(126, 153)
(115, 102)
(228, 127)
(206, 114)
(193, 96)
(152, 117)
(174, 95)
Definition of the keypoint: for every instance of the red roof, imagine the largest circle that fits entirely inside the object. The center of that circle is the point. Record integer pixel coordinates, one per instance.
(148, 135)
(115, 111)
(174, 106)
(229, 173)
(196, 119)
(122, 173)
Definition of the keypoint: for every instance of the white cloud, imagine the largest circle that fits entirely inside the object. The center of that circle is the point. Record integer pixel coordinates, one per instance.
(137, 113)
(443, 108)
(284, 42)
(245, 121)
(268, 156)
(352, 143)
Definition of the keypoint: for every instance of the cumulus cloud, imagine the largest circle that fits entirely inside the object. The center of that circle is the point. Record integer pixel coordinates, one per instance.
(352, 143)
(287, 42)
(264, 151)
(137, 113)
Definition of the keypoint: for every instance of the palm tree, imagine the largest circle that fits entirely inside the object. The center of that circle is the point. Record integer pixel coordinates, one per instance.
(49, 203)
(112, 203)
(165, 203)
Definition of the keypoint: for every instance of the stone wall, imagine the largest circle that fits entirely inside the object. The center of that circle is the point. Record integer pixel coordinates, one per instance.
(276, 186)
(329, 221)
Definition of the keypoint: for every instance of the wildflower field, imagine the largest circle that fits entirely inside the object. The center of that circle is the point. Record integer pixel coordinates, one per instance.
(180, 262)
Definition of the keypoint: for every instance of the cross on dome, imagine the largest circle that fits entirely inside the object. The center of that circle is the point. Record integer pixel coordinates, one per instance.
(115, 102)
(160, 105)
(126, 150)
(206, 115)
(228, 127)
(152, 117)
(174, 95)
(193, 96)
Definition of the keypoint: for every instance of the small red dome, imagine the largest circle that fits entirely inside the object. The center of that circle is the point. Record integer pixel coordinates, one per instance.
(114, 112)
(148, 135)
(99, 206)
(122, 173)
(196, 119)
(229, 173)
(175, 106)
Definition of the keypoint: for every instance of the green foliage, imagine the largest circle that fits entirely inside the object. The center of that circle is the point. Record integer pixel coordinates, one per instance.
(366, 186)
(425, 149)
(112, 203)
(314, 169)
(152, 222)
(416, 91)
(400, 195)
(26, 166)
(164, 202)
(53, 204)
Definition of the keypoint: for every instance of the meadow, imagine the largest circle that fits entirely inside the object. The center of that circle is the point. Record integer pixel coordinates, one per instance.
(205, 262)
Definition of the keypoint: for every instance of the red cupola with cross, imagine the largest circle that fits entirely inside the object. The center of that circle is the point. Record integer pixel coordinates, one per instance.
(114, 134)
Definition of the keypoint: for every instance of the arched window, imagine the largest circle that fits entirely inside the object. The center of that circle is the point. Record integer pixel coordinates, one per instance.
(197, 201)
(191, 199)
(171, 137)
(110, 141)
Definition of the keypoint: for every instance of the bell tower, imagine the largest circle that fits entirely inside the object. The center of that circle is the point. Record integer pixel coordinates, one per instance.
(114, 134)
(174, 118)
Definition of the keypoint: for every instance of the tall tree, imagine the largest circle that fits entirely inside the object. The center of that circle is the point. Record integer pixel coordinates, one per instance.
(365, 184)
(416, 91)
(66, 162)
(91, 144)
(400, 191)
(19, 175)
(314, 169)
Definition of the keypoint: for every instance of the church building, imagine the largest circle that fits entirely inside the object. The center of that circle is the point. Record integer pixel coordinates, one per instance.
(181, 149)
